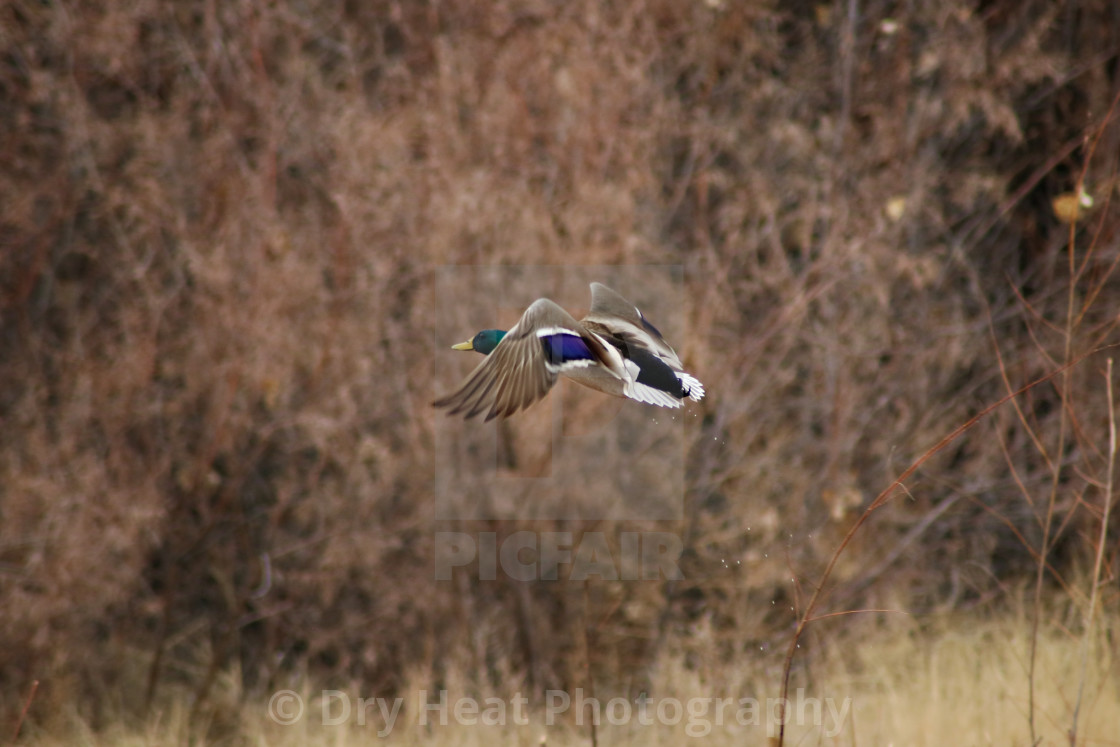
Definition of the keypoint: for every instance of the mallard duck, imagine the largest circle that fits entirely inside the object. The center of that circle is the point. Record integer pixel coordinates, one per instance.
(613, 349)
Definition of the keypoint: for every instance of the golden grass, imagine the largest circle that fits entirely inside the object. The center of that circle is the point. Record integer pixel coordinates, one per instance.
(970, 682)
(960, 679)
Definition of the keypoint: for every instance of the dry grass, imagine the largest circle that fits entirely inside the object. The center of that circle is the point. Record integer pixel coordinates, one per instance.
(955, 680)
(968, 681)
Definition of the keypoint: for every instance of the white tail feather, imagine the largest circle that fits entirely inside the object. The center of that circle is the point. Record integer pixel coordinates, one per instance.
(691, 386)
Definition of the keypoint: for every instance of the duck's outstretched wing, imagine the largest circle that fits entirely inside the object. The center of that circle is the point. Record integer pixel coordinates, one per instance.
(657, 365)
(544, 343)
(623, 320)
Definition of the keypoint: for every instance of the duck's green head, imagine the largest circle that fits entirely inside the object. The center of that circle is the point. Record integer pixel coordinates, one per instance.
(484, 342)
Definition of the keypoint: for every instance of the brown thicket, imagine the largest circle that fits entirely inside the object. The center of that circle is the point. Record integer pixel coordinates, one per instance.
(220, 228)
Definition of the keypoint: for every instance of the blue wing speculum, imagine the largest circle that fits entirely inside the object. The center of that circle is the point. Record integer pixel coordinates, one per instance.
(563, 349)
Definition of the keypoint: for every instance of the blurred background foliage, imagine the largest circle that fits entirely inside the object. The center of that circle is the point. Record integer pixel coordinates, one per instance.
(217, 342)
